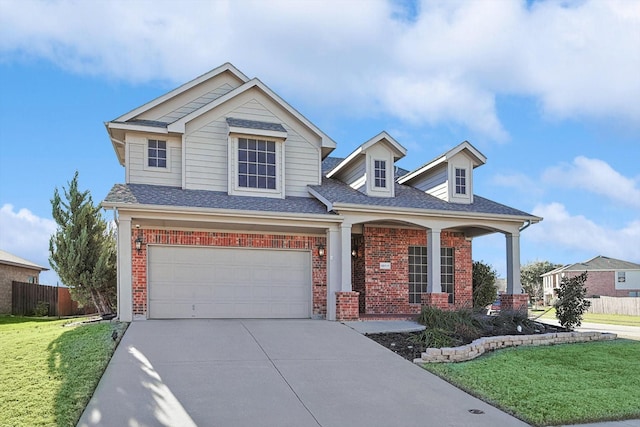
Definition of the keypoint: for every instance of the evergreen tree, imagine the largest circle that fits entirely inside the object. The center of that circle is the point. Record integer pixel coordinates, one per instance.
(485, 290)
(571, 304)
(83, 250)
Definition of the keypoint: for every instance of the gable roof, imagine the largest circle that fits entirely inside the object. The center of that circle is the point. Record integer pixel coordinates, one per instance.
(477, 158)
(602, 263)
(398, 151)
(183, 88)
(178, 126)
(10, 259)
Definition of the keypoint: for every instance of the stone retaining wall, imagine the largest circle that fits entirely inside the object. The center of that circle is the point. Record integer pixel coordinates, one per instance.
(485, 344)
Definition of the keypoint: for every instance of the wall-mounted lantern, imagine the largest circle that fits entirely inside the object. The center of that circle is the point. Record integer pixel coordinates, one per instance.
(321, 250)
(139, 240)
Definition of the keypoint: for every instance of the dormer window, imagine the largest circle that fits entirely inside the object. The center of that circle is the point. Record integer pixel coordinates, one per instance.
(156, 153)
(461, 181)
(380, 173)
(256, 163)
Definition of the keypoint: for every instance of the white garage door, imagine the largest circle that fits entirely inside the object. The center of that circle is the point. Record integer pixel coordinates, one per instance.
(186, 282)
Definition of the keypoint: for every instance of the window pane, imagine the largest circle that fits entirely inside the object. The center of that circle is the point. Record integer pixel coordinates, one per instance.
(253, 168)
(242, 180)
(162, 163)
(162, 145)
(271, 146)
(242, 143)
(271, 158)
(253, 182)
(271, 171)
(252, 144)
(262, 157)
(242, 155)
(153, 152)
(262, 170)
(253, 156)
(271, 183)
(262, 145)
(153, 162)
(262, 182)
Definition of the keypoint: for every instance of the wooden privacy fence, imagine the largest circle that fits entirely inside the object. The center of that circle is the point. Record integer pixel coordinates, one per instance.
(25, 298)
(615, 305)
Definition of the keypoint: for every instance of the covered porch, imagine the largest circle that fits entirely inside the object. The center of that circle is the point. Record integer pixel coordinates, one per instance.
(382, 267)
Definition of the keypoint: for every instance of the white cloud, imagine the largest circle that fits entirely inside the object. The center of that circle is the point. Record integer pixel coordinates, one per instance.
(596, 176)
(576, 232)
(446, 65)
(26, 235)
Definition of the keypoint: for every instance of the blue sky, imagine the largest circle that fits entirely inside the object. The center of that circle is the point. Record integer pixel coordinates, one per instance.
(547, 90)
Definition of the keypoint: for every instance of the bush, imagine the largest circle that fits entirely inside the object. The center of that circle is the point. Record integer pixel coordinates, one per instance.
(484, 285)
(41, 309)
(572, 304)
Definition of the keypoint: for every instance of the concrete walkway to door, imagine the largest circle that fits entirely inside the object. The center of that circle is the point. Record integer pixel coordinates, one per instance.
(276, 373)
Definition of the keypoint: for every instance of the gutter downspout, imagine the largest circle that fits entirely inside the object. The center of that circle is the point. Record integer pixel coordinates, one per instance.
(521, 229)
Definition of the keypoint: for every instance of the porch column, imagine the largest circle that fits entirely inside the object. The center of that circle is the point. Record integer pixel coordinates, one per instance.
(345, 256)
(125, 294)
(434, 284)
(434, 296)
(513, 299)
(334, 273)
(513, 264)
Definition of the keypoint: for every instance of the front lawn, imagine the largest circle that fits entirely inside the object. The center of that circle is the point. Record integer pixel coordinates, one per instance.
(49, 372)
(608, 319)
(562, 384)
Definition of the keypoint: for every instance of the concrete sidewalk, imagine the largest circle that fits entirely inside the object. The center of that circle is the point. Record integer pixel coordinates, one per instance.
(272, 373)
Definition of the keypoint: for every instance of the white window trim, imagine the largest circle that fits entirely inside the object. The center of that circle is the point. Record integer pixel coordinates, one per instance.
(387, 190)
(453, 196)
(146, 166)
(234, 189)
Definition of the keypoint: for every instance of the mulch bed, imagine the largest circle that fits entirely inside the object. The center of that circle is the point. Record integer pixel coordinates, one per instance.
(406, 344)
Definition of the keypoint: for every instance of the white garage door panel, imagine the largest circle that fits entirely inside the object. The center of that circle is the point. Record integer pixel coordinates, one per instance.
(187, 282)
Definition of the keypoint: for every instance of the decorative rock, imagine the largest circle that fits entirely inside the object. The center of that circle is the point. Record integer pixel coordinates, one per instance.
(482, 345)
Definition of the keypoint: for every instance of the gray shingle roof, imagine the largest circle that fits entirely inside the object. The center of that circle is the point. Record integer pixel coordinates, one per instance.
(252, 124)
(330, 163)
(408, 197)
(602, 263)
(145, 194)
(151, 123)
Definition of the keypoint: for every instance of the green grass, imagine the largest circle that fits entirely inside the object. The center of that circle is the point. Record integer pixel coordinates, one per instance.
(49, 372)
(563, 384)
(609, 319)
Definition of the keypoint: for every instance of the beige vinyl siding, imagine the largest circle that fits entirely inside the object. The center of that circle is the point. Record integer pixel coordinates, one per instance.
(138, 173)
(434, 183)
(206, 157)
(192, 99)
(354, 172)
(207, 145)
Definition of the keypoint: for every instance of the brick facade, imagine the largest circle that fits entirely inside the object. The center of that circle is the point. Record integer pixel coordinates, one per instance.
(601, 283)
(514, 302)
(438, 300)
(8, 274)
(230, 240)
(347, 306)
(387, 291)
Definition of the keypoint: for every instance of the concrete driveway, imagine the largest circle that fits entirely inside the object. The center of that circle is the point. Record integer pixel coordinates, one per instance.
(271, 373)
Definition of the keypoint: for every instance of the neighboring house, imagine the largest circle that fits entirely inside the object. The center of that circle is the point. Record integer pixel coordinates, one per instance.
(233, 207)
(605, 277)
(14, 268)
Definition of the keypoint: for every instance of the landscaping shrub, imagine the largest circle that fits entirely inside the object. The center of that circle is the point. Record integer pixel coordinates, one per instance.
(572, 304)
(41, 309)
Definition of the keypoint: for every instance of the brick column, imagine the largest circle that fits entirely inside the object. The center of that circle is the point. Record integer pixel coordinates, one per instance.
(347, 306)
(514, 302)
(439, 300)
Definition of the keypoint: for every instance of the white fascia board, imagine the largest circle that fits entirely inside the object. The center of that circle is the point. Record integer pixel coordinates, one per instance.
(179, 125)
(400, 151)
(178, 210)
(138, 128)
(428, 212)
(320, 197)
(25, 266)
(422, 169)
(183, 88)
(345, 162)
(479, 159)
(258, 132)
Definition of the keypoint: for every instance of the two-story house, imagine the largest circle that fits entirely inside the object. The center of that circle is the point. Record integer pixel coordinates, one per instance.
(233, 207)
(605, 277)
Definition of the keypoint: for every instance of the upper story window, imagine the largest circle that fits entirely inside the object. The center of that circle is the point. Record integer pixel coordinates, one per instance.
(461, 181)
(380, 173)
(256, 163)
(157, 153)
